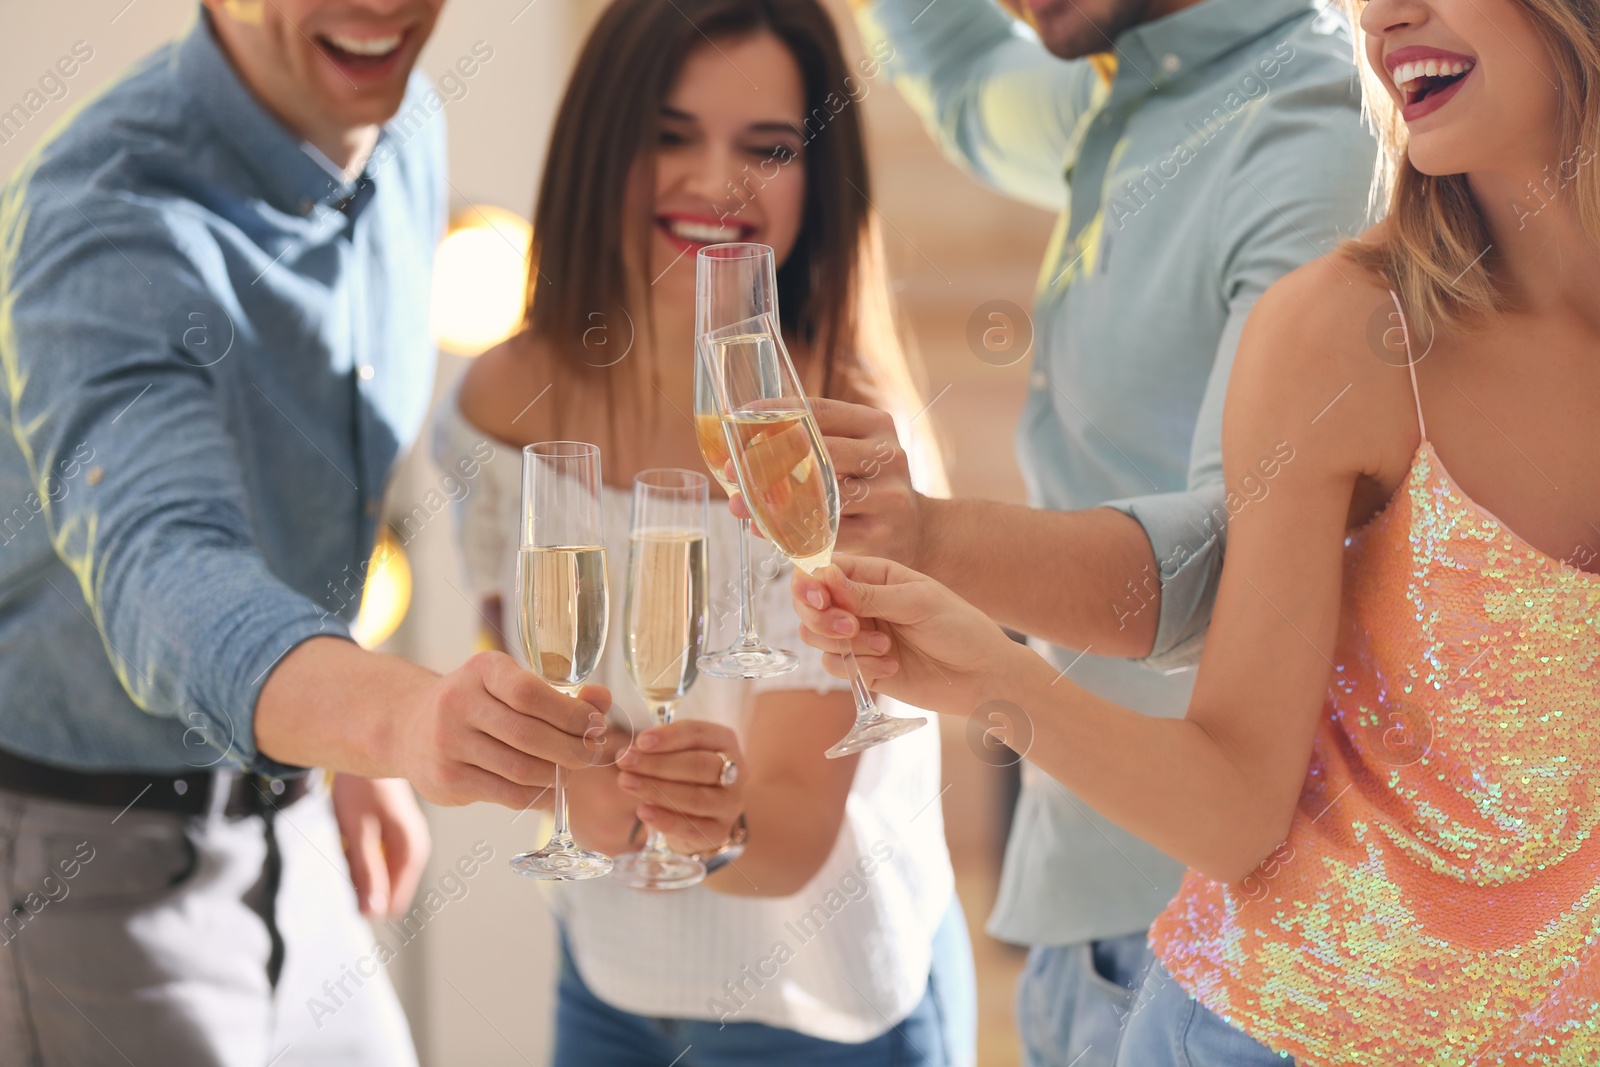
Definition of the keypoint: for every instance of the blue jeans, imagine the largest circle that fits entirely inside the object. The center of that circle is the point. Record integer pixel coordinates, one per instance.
(1072, 1000)
(941, 1030)
(1169, 1028)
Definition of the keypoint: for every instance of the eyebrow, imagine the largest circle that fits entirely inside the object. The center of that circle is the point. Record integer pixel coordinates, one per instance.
(773, 126)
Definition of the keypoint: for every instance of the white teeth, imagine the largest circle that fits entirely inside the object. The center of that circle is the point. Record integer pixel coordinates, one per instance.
(700, 233)
(1406, 75)
(366, 46)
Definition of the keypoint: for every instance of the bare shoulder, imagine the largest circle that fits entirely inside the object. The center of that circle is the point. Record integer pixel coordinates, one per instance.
(500, 387)
(1311, 327)
(1317, 364)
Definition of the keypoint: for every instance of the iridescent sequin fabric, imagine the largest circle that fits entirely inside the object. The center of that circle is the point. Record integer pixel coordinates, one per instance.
(1435, 902)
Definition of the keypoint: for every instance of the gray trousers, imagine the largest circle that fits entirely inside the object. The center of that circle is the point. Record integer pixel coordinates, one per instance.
(161, 940)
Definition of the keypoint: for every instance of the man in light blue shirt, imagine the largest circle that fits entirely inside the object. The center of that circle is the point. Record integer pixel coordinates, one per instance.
(213, 346)
(1196, 151)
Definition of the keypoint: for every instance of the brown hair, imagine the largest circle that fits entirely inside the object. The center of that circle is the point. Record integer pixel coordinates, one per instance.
(831, 290)
(1435, 236)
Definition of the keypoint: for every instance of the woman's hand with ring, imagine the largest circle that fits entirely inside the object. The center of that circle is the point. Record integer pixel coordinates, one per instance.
(686, 776)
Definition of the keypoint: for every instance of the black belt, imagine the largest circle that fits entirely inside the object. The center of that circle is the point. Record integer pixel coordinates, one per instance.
(182, 794)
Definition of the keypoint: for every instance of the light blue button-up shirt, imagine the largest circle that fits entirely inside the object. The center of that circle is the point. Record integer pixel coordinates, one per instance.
(213, 349)
(1226, 151)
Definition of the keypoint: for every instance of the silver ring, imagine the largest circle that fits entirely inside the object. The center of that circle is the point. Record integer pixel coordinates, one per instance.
(729, 773)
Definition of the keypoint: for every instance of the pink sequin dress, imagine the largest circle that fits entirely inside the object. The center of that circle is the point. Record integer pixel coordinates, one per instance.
(1435, 902)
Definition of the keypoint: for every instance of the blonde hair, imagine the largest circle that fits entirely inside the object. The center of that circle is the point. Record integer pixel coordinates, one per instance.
(1435, 237)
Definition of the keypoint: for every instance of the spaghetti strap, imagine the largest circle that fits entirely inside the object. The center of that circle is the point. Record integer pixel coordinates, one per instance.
(1411, 363)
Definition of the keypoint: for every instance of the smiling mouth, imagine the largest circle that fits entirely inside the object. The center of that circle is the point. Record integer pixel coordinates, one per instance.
(691, 232)
(1424, 78)
(361, 53)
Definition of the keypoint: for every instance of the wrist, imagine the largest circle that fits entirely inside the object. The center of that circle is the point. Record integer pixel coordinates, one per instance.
(329, 703)
(1030, 681)
(388, 711)
(928, 537)
(731, 849)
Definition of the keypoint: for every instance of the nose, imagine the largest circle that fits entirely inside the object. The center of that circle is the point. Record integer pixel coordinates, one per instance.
(717, 174)
(1382, 17)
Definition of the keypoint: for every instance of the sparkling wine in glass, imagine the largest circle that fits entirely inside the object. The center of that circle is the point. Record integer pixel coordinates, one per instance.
(562, 610)
(666, 617)
(785, 473)
(732, 289)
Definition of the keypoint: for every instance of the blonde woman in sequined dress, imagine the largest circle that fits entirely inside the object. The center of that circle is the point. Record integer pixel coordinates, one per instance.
(1386, 786)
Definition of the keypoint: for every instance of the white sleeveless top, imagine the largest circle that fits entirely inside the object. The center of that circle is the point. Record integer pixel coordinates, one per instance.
(845, 958)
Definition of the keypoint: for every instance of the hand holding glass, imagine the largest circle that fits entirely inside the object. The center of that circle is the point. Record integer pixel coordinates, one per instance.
(562, 608)
(785, 473)
(722, 297)
(666, 617)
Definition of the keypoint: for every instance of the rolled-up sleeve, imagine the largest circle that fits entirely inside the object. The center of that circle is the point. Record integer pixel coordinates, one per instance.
(158, 529)
(1299, 182)
(996, 101)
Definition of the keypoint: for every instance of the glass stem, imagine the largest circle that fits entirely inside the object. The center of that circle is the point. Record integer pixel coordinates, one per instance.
(656, 842)
(747, 622)
(560, 834)
(866, 710)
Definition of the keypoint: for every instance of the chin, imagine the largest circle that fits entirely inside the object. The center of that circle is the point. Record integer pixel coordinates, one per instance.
(1066, 37)
(678, 279)
(1069, 32)
(378, 114)
(1439, 155)
(371, 107)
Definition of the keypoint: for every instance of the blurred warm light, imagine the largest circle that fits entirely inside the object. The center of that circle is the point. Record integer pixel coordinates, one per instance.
(480, 276)
(386, 596)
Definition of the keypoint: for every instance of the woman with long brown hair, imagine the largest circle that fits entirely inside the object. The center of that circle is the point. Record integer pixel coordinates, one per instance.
(835, 936)
(1387, 785)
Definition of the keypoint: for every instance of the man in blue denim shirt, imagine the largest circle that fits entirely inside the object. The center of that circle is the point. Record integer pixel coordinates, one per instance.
(213, 338)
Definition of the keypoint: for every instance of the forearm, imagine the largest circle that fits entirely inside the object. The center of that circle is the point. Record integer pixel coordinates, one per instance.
(1079, 579)
(790, 839)
(1172, 782)
(330, 703)
(794, 796)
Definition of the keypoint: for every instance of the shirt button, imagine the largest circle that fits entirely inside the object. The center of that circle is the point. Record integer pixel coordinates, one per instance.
(1171, 63)
(366, 372)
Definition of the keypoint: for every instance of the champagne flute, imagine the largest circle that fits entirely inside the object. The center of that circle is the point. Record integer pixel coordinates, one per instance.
(723, 294)
(785, 473)
(666, 617)
(562, 607)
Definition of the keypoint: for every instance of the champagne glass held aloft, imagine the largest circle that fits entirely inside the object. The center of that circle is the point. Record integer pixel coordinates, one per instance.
(726, 293)
(666, 629)
(785, 473)
(562, 607)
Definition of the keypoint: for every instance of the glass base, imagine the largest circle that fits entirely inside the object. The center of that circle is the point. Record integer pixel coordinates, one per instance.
(569, 864)
(748, 661)
(874, 731)
(647, 869)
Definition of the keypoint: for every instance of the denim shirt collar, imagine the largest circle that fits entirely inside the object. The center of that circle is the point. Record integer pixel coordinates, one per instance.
(1154, 54)
(295, 177)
